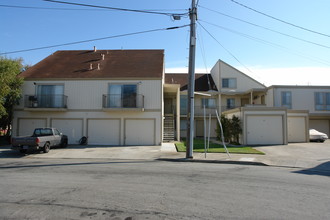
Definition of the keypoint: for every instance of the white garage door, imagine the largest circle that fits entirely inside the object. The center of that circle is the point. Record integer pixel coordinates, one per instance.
(296, 129)
(104, 131)
(27, 126)
(140, 132)
(73, 128)
(320, 125)
(264, 130)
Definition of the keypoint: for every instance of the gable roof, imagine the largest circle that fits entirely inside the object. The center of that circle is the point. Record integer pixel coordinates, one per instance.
(84, 64)
(203, 82)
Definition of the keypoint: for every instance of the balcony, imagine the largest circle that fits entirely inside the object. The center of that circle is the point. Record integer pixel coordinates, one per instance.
(131, 102)
(46, 102)
(199, 110)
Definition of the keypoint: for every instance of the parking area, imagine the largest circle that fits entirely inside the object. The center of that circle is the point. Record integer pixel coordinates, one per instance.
(307, 155)
(302, 155)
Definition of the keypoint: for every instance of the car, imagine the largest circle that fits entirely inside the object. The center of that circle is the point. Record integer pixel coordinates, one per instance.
(316, 136)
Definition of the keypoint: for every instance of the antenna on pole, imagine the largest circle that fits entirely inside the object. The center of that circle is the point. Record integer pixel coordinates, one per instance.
(191, 81)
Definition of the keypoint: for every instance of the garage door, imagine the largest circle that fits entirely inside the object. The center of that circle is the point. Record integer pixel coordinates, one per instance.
(296, 129)
(320, 125)
(264, 130)
(73, 128)
(104, 131)
(140, 132)
(27, 126)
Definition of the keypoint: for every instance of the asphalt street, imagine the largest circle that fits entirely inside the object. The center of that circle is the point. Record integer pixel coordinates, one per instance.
(45, 188)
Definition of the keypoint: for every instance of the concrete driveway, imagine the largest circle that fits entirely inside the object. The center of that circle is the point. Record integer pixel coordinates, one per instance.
(303, 155)
(298, 155)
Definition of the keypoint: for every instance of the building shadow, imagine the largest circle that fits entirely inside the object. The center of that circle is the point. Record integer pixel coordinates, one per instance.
(321, 170)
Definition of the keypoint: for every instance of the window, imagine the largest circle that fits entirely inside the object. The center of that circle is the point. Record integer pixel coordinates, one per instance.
(183, 104)
(229, 83)
(208, 103)
(230, 103)
(286, 100)
(50, 96)
(122, 96)
(322, 101)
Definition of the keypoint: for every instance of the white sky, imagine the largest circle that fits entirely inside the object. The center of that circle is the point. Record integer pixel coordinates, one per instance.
(313, 76)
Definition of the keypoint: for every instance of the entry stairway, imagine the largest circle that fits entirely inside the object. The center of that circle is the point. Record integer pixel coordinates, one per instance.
(168, 128)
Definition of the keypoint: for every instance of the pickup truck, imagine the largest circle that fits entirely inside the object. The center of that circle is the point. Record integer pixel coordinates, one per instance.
(42, 139)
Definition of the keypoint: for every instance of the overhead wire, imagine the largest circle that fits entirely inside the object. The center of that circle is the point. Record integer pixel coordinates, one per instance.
(45, 8)
(118, 9)
(268, 29)
(76, 9)
(96, 39)
(280, 20)
(319, 60)
(202, 48)
(230, 53)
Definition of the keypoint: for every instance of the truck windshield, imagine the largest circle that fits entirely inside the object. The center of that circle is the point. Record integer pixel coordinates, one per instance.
(43, 132)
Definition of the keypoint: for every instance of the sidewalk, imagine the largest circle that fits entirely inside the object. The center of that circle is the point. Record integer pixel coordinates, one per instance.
(302, 155)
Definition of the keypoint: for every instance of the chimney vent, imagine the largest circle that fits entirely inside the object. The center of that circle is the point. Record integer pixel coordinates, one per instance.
(94, 49)
(98, 66)
(90, 66)
(103, 55)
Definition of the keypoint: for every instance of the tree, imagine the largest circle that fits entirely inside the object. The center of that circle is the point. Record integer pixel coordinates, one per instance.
(231, 129)
(10, 92)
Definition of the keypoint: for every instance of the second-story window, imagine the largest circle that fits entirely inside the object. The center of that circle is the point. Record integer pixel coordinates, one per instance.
(50, 96)
(322, 101)
(123, 96)
(209, 103)
(229, 83)
(286, 100)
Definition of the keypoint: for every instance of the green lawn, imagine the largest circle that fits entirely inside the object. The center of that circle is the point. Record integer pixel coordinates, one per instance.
(217, 148)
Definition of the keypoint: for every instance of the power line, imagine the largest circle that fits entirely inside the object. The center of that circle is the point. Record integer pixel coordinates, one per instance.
(268, 29)
(96, 39)
(280, 20)
(270, 43)
(118, 9)
(75, 9)
(44, 8)
(224, 47)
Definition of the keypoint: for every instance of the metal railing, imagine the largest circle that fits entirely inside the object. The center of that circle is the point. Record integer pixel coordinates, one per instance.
(199, 110)
(45, 101)
(123, 101)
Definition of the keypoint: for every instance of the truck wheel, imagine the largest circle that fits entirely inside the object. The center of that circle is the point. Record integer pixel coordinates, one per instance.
(23, 151)
(46, 148)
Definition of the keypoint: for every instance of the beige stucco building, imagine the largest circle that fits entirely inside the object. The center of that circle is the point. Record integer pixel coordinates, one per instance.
(123, 97)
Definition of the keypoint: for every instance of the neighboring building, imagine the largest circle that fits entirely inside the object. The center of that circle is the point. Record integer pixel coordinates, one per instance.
(314, 99)
(113, 97)
(123, 97)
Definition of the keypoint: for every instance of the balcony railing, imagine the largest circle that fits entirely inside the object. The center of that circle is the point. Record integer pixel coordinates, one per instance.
(45, 101)
(132, 101)
(199, 110)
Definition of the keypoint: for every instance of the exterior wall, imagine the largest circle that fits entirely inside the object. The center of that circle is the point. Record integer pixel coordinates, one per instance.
(303, 97)
(84, 104)
(87, 94)
(270, 98)
(244, 83)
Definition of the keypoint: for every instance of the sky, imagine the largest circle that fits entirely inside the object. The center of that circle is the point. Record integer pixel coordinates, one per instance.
(276, 42)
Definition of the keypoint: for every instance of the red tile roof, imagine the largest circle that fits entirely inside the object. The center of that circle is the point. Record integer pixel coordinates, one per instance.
(85, 64)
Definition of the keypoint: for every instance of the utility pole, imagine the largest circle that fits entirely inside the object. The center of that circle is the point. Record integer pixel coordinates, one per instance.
(191, 81)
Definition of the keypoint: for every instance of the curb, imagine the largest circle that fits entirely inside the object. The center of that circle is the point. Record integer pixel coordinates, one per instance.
(213, 161)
